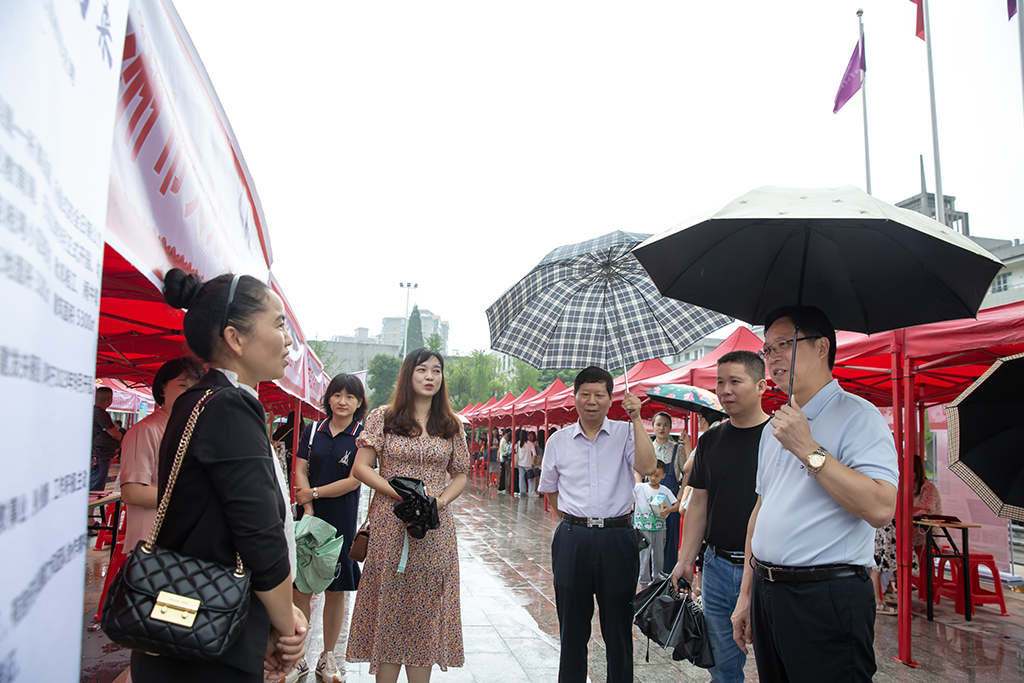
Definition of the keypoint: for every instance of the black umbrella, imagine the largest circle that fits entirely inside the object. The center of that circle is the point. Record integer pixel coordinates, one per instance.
(869, 265)
(416, 509)
(675, 621)
(986, 437)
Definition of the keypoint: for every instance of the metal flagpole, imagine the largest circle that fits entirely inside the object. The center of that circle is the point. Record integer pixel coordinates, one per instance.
(940, 199)
(1020, 27)
(864, 100)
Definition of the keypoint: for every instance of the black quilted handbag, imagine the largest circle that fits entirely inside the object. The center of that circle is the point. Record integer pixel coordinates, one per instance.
(165, 603)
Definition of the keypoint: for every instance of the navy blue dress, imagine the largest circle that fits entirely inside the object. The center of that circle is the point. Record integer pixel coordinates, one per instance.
(331, 460)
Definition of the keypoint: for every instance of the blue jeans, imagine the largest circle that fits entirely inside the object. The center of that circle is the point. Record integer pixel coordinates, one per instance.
(720, 586)
(98, 474)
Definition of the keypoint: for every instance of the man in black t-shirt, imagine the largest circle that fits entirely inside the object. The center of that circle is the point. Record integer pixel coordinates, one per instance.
(106, 437)
(723, 478)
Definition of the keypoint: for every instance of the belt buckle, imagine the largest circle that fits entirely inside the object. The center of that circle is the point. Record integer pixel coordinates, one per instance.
(771, 578)
(595, 522)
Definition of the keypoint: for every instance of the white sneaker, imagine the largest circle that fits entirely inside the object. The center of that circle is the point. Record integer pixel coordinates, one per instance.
(299, 670)
(328, 669)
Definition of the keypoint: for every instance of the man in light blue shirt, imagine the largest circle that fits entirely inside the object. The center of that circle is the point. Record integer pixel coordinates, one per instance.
(588, 476)
(826, 478)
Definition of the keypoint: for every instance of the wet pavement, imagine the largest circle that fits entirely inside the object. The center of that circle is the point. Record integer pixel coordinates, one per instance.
(511, 627)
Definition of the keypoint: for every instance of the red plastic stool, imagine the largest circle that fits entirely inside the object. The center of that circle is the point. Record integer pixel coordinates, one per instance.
(116, 562)
(105, 537)
(921, 581)
(979, 595)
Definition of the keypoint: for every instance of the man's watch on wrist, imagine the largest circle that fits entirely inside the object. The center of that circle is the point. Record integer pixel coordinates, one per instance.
(815, 461)
(316, 494)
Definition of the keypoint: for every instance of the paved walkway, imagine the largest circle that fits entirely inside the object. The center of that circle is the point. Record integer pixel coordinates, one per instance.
(511, 627)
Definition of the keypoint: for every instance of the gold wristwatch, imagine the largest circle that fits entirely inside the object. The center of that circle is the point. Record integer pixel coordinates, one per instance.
(815, 461)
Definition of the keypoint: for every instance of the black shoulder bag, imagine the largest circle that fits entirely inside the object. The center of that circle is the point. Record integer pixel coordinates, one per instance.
(166, 603)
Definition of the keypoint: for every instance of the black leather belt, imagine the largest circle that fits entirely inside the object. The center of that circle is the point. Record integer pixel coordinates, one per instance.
(599, 522)
(734, 556)
(825, 572)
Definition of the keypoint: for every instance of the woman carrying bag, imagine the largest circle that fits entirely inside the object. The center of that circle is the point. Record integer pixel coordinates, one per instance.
(228, 501)
(330, 491)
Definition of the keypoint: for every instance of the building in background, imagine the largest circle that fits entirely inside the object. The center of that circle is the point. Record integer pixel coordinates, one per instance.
(1008, 285)
(353, 353)
(392, 331)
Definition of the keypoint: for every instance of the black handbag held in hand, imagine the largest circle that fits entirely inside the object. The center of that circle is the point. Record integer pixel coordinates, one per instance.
(165, 603)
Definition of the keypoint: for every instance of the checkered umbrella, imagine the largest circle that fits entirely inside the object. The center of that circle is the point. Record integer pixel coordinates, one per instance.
(986, 430)
(592, 303)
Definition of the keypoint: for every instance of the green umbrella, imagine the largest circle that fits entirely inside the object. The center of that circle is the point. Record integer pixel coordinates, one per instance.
(316, 553)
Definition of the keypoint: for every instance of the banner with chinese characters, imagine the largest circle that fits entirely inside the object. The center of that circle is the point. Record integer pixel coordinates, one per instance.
(59, 66)
(180, 191)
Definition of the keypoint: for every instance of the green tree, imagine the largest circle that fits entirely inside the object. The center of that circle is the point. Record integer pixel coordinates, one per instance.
(548, 376)
(332, 366)
(414, 334)
(434, 342)
(383, 373)
(471, 379)
(524, 375)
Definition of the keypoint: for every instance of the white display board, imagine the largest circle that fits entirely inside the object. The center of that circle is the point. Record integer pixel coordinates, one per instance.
(59, 66)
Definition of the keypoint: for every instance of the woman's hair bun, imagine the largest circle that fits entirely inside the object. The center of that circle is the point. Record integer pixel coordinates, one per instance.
(181, 288)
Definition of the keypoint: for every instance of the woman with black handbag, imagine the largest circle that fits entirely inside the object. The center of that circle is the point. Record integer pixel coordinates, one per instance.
(228, 500)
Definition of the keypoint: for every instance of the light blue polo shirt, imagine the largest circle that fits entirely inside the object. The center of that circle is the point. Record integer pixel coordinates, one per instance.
(799, 523)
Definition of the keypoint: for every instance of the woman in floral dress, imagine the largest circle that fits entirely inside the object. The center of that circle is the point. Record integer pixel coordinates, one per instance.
(411, 615)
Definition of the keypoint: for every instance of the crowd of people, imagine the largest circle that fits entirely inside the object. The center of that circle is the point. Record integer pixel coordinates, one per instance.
(779, 522)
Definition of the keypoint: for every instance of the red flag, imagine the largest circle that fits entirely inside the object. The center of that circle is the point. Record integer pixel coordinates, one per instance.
(920, 18)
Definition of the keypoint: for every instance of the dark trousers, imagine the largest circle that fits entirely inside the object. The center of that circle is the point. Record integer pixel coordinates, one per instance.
(149, 669)
(814, 630)
(98, 474)
(671, 542)
(589, 562)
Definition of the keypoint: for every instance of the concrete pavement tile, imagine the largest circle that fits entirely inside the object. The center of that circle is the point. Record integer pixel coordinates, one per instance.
(482, 639)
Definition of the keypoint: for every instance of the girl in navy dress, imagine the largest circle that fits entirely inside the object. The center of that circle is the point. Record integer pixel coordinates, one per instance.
(327, 489)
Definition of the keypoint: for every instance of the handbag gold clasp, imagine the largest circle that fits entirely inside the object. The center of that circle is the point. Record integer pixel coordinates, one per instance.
(175, 609)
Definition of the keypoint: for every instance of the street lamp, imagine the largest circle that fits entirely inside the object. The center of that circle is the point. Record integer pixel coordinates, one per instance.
(408, 287)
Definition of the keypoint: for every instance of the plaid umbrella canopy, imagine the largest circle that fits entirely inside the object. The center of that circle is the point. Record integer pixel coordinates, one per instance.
(592, 303)
(986, 430)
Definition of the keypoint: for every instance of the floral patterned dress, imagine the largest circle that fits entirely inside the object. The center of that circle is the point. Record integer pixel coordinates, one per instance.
(412, 618)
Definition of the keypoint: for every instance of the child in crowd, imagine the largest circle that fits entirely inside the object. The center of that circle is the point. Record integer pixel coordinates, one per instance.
(654, 503)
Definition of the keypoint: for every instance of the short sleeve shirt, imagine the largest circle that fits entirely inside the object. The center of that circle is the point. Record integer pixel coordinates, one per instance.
(592, 478)
(725, 466)
(103, 444)
(649, 501)
(799, 523)
(331, 460)
(140, 455)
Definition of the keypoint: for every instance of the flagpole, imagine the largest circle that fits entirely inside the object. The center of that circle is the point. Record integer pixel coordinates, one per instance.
(864, 100)
(1020, 27)
(940, 199)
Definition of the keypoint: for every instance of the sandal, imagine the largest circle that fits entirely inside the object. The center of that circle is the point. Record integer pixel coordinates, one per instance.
(886, 609)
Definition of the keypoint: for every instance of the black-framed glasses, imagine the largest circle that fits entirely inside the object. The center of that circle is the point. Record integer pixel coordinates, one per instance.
(782, 347)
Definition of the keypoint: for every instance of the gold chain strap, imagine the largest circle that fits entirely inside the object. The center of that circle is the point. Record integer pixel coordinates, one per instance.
(186, 438)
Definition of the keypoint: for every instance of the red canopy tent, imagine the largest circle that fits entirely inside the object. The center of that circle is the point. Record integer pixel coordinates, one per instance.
(909, 369)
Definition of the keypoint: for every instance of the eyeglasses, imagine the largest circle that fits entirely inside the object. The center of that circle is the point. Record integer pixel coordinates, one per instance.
(781, 347)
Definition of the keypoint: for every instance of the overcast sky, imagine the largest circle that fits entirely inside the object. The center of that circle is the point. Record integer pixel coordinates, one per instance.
(453, 144)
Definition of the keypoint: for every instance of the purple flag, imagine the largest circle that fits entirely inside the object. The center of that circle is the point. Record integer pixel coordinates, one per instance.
(1011, 8)
(851, 79)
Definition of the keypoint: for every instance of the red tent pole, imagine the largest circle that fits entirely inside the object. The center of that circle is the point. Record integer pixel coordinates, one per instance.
(296, 437)
(547, 431)
(902, 402)
(512, 470)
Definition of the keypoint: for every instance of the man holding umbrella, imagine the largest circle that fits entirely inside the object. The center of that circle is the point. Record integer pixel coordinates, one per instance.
(588, 474)
(827, 474)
